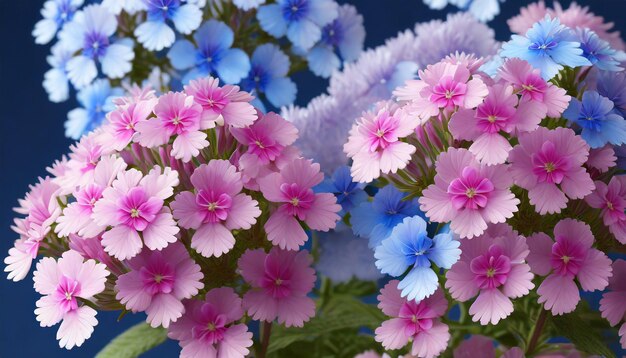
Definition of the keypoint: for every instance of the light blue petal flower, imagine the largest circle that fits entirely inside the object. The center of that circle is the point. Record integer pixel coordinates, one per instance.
(281, 91)
(419, 283)
(214, 35)
(233, 66)
(404, 71)
(304, 33)
(364, 219)
(484, 10)
(322, 12)
(271, 19)
(155, 35)
(117, 60)
(274, 61)
(445, 251)
(182, 55)
(390, 259)
(436, 4)
(193, 74)
(56, 85)
(81, 71)
(248, 4)
(77, 120)
(187, 18)
(323, 61)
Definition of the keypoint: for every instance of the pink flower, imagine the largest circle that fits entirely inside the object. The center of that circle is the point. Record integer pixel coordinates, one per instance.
(222, 105)
(496, 115)
(528, 16)
(527, 81)
(176, 114)
(209, 328)
(62, 283)
(548, 163)
(442, 86)
(374, 143)
(418, 322)
(612, 302)
(91, 248)
(602, 159)
(475, 346)
(292, 188)
(468, 194)
(84, 157)
(134, 204)
(492, 266)
(158, 282)
(569, 256)
(280, 283)
(611, 200)
(216, 208)
(121, 128)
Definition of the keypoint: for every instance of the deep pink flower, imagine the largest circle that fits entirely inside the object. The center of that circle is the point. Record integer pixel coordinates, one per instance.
(492, 266)
(121, 128)
(217, 207)
(176, 114)
(548, 163)
(612, 303)
(442, 86)
(374, 143)
(569, 256)
(527, 81)
(418, 322)
(209, 328)
(292, 188)
(222, 105)
(134, 204)
(61, 283)
(611, 200)
(602, 159)
(498, 114)
(157, 283)
(468, 194)
(280, 283)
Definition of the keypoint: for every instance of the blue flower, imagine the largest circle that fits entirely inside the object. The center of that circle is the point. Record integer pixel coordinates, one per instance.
(377, 218)
(300, 20)
(598, 51)
(409, 248)
(613, 86)
(345, 34)
(483, 10)
(55, 14)
(89, 33)
(248, 4)
(212, 54)
(599, 122)
(349, 194)
(268, 76)
(156, 34)
(55, 80)
(548, 46)
(96, 101)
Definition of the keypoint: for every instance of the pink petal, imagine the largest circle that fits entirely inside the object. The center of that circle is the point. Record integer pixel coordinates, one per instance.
(188, 145)
(575, 231)
(396, 156)
(602, 159)
(491, 306)
(595, 271)
(252, 266)
(322, 215)
(577, 183)
(270, 187)
(188, 278)
(435, 202)
(389, 300)
(46, 276)
(365, 167)
(164, 309)
(450, 164)
(187, 211)
(49, 312)
(476, 92)
(161, 232)
(131, 292)
(468, 223)
(463, 125)
(547, 198)
(501, 206)
(243, 212)
(293, 311)
(528, 115)
(122, 242)
(302, 172)
(617, 282)
(198, 348)
(227, 302)
(212, 239)
(160, 184)
(437, 302)
(260, 306)
(18, 263)
(612, 306)
(556, 100)
(559, 293)
(236, 342)
(476, 345)
(72, 220)
(151, 133)
(391, 334)
(77, 326)
(218, 175)
(431, 343)
(538, 259)
(284, 231)
(519, 281)
(460, 281)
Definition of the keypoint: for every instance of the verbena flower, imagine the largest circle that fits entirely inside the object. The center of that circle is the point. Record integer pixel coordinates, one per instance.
(483, 10)
(96, 100)
(599, 122)
(611, 200)
(268, 76)
(129, 6)
(155, 33)
(612, 302)
(56, 13)
(409, 248)
(248, 4)
(349, 193)
(613, 86)
(599, 52)
(56, 82)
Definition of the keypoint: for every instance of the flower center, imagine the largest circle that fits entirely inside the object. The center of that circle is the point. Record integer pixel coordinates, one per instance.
(470, 191)
(137, 210)
(66, 293)
(134, 213)
(548, 165)
(491, 270)
(217, 205)
(158, 277)
(298, 199)
(567, 257)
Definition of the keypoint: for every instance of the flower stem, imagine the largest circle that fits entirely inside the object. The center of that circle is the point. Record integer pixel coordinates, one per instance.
(534, 339)
(265, 341)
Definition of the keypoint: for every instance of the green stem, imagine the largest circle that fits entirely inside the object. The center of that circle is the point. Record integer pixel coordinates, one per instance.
(534, 339)
(265, 340)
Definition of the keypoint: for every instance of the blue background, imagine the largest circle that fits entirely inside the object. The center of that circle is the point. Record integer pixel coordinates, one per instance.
(31, 138)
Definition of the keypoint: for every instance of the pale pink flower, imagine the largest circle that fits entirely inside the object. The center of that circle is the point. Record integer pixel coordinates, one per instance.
(225, 105)
(82, 161)
(470, 61)
(548, 163)
(498, 114)
(468, 194)
(292, 188)
(492, 266)
(62, 283)
(375, 144)
(444, 86)
(569, 256)
(611, 200)
(59, 167)
(135, 93)
(612, 303)
(528, 83)
(134, 204)
(411, 321)
(280, 283)
(76, 218)
(252, 169)
(602, 159)
(209, 328)
(176, 114)
(91, 248)
(157, 283)
(528, 16)
(215, 208)
(121, 128)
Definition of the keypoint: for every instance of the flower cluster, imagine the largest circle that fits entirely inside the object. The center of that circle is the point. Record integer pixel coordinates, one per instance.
(189, 207)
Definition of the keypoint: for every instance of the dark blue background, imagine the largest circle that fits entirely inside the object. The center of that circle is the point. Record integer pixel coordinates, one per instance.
(31, 138)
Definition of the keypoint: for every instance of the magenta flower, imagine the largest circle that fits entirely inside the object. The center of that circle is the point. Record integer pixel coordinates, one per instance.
(134, 204)
(292, 188)
(492, 266)
(157, 283)
(62, 283)
(611, 200)
(498, 114)
(528, 82)
(225, 105)
(280, 283)
(443, 85)
(121, 129)
(468, 194)
(176, 114)
(548, 163)
(602, 159)
(418, 322)
(374, 143)
(569, 256)
(612, 302)
(209, 328)
(217, 207)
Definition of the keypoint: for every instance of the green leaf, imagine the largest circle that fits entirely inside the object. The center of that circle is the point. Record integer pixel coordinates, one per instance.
(577, 330)
(134, 341)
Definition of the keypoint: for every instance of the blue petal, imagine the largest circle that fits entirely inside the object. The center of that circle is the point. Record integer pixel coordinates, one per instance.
(390, 259)
(323, 61)
(215, 36)
(193, 74)
(233, 66)
(271, 19)
(404, 71)
(419, 283)
(364, 219)
(272, 60)
(573, 110)
(281, 91)
(77, 120)
(304, 33)
(445, 251)
(322, 12)
(182, 55)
